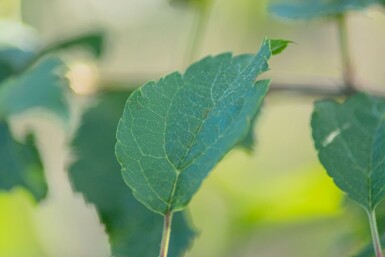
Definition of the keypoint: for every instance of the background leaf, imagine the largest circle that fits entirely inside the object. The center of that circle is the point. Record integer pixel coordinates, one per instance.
(20, 164)
(309, 9)
(12, 61)
(350, 140)
(174, 132)
(93, 41)
(41, 86)
(134, 231)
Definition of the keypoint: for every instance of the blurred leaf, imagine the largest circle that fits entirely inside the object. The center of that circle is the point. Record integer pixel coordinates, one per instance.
(41, 86)
(13, 60)
(133, 230)
(350, 140)
(20, 164)
(94, 42)
(309, 9)
(175, 131)
(197, 3)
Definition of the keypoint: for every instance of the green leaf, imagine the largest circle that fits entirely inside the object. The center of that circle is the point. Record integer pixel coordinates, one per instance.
(174, 131)
(350, 140)
(13, 60)
(309, 9)
(42, 86)
(133, 230)
(92, 41)
(20, 164)
(278, 45)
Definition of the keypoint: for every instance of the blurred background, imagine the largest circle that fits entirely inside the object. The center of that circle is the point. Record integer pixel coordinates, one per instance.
(274, 201)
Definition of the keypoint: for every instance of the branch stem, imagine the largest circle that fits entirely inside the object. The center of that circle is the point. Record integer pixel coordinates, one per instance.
(347, 65)
(166, 235)
(375, 235)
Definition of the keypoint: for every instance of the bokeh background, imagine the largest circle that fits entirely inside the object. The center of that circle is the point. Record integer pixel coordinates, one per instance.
(275, 201)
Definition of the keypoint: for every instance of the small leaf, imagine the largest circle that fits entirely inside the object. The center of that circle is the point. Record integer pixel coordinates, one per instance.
(174, 131)
(20, 164)
(133, 230)
(309, 9)
(42, 86)
(350, 139)
(92, 41)
(278, 45)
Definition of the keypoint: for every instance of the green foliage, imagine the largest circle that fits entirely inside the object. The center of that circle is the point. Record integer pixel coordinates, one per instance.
(20, 164)
(202, 4)
(277, 46)
(41, 86)
(94, 42)
(174, 131)
(12, 61)
(133, 230)
(309, 9)
(350, 140)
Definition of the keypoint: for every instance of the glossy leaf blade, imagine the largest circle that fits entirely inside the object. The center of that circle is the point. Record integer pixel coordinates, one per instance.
(20, 164)
(134, 231)
(350, 139)
(42, 86)
(309, 9)
(174, 131)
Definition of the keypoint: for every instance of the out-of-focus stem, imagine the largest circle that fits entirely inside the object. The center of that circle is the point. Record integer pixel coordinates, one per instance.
(347, 65)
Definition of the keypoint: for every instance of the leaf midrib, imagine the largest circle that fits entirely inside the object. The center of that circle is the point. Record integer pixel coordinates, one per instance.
(182, 167)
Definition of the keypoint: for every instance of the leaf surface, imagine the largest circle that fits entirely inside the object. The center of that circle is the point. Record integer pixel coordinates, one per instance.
(309, 9)
(174, 131)
(134, 231)
(350, 140)
(42, 86)
(20, 164)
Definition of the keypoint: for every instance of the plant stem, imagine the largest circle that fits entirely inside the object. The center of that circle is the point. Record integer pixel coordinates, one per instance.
(198, 31)
(347, 65)
(375, 235)
(166, 235)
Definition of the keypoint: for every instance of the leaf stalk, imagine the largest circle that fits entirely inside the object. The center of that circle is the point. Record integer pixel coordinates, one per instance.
(375, 235)
(166, 235)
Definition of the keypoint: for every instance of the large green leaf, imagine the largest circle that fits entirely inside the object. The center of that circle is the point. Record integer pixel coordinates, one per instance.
(134, 231)
(276, 46)
(42, 86)
(174, 131)
(350, 139)
(309, 9)
(20, 164)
